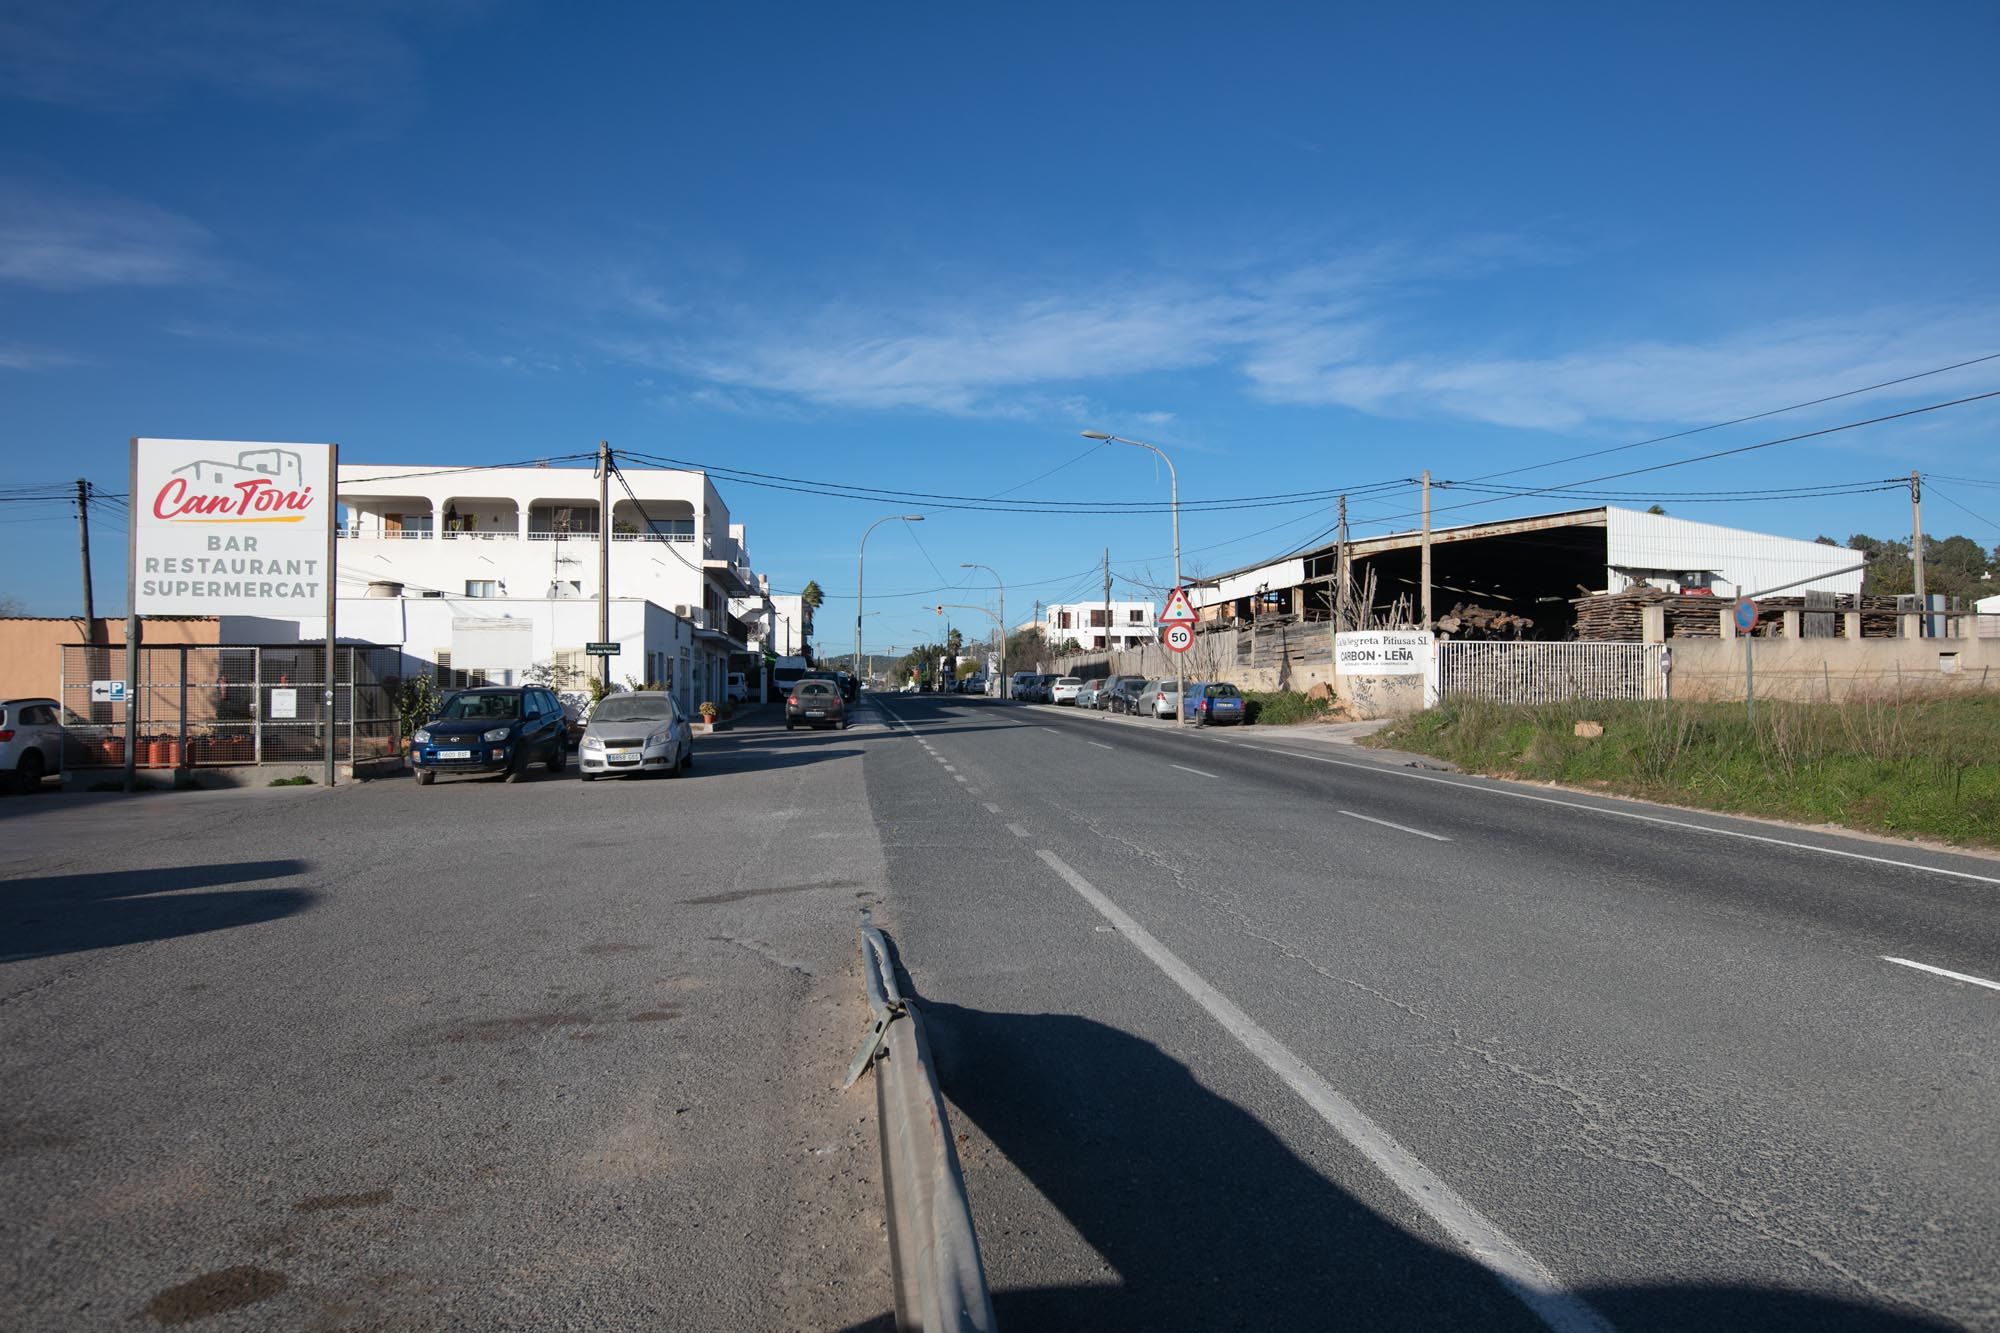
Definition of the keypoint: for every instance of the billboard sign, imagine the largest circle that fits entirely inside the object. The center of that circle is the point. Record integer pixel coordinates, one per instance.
(1382, 652)
(229, 528)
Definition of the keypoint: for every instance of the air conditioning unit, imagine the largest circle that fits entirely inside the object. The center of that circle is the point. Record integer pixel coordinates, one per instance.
(681, 611)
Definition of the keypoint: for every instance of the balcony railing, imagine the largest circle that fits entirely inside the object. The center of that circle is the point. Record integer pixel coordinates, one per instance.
(378, 535)
(652, 536)
(537, 535)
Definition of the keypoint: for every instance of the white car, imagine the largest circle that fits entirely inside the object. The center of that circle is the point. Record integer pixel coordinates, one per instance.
(636, 731)
(737, 691)
(1064, 689)
(1162, 700)
(31, 741)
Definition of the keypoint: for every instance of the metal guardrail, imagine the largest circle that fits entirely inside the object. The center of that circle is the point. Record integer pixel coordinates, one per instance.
(933, 1249)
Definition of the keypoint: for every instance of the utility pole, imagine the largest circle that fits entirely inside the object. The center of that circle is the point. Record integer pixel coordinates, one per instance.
(604, 558)
(1340, 572)
(1427, 548)
(1917, 551)
(83, 541)
(1107, 611)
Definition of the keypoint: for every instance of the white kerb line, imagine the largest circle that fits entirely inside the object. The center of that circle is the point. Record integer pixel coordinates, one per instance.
(1099, 744)
(1185, 769)
(1400, 828)
(1484, 1242)
(1941, 971)
(1621, 814)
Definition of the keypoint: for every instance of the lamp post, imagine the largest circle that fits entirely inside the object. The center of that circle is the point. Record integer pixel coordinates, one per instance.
(1003, 620)
(858, 563)
(1174, 481)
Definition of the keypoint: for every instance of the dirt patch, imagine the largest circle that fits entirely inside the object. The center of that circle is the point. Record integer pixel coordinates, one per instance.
(214, 1293)
(654, 1016)
(606, 950)
(323, 1203)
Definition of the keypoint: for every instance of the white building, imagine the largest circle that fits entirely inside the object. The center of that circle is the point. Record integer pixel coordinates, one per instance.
(1130, 624)
(523, 544)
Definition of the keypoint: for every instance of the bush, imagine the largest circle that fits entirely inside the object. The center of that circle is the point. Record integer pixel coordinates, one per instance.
(1283, 707)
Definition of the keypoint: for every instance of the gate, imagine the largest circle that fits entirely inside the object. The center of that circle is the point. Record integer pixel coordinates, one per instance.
(1541, 673)
(202, 706)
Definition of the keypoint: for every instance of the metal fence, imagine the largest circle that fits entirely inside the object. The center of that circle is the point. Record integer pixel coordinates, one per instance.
(198, 705)
(1538, 673)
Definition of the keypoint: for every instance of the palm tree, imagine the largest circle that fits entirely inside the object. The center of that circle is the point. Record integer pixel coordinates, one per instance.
(810, 597)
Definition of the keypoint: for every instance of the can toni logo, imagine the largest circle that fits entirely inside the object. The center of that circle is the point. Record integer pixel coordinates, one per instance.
(260, 486)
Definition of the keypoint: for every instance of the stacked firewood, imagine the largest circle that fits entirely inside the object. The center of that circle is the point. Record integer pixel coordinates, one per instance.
(1468, 620)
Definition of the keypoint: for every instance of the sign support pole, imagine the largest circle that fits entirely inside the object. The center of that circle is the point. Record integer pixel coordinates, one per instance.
(332, 599)
(132, 629)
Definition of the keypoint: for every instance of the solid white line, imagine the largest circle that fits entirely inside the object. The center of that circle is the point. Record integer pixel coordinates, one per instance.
(1484, 1242)
(1185, 769)
(1942, 972)
(1626, 814)
(1403, 828)
(1099, 744)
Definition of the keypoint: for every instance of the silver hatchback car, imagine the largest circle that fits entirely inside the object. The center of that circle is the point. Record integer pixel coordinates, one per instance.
(31, 741)
(636, 731)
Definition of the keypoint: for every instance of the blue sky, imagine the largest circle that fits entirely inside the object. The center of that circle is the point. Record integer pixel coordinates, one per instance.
(921, 247)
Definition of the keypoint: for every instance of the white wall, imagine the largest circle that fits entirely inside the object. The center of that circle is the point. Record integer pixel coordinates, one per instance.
(1751, 561)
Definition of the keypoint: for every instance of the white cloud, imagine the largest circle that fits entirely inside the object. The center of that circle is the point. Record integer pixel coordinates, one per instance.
(63, 242)
(14, 356)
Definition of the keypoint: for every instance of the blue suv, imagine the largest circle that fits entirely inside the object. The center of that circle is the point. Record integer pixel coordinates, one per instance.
(492, 730)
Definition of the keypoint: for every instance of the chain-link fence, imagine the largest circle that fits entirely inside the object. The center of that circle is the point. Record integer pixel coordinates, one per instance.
(201, 706)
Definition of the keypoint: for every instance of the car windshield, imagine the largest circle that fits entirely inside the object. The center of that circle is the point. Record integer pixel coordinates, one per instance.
(634, 708)
(503, 707)
(1069, 680)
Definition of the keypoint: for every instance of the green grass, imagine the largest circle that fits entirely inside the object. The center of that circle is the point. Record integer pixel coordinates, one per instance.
(296, 780)
(1925, 768)
(1283, 707)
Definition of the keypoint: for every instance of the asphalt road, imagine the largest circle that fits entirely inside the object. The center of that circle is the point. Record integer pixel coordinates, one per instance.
(478, 1056)
(1247, 1033)
(1238, 1032)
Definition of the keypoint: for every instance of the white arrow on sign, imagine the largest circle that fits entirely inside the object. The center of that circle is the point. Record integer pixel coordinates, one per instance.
(1179, 638)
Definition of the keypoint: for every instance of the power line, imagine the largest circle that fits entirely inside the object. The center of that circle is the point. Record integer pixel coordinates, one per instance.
(1956, 505)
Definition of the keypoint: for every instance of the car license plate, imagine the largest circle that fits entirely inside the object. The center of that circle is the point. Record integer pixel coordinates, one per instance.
(622, 756)
(815, 712)
(454, 754)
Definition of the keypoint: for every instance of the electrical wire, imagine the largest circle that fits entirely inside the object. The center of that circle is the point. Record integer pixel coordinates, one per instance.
(1991, 525)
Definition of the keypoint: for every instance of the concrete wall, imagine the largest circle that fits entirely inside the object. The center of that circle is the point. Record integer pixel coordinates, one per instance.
(31, 647)
(1834, 669)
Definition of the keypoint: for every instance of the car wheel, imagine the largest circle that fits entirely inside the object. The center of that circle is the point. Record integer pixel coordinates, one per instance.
(588, 777)
(788, 724)
(558, 758)
(425, 777)
(516, 770)
(29, 772)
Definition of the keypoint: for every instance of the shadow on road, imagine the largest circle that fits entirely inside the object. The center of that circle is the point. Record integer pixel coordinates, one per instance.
(59, 914)
(1206, 1219)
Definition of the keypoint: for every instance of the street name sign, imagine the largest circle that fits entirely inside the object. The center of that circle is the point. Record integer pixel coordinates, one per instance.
(601, 650)
(1382, 652)
(1178, 638)
(1179, 610)
(229, 528)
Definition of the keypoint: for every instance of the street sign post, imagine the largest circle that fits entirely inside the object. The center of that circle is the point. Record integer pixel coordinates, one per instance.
(600, 649)
(1179, 637)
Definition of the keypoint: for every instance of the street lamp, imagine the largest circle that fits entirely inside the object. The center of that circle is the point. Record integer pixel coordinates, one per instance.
(1173, 479)
(858, 559)
(1003, 620)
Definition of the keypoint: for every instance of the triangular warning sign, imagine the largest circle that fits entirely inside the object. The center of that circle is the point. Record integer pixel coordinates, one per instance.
(1179, 610)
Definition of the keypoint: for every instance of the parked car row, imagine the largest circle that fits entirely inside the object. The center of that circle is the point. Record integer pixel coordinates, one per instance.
(1202, 702)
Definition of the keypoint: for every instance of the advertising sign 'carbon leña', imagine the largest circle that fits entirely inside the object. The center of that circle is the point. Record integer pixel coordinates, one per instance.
(230, 528)
(1382, 652)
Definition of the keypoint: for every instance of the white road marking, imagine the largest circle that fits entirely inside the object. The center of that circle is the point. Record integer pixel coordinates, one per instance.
(947, 767)
(1483, 1241)
(1017, 830)
(991, 808)
(972, 791)
(1099, 744)
(958, 777)
(1942, 972)
(1401, 828)
(1626, 814)
(1185, 769)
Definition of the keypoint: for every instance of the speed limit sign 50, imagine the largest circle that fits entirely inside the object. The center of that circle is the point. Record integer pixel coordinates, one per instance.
(1178, 638)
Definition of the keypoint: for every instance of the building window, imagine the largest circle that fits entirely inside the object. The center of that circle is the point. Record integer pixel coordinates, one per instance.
(1099, 619)
(1062, 620)
(481, 588)
(1135, 617)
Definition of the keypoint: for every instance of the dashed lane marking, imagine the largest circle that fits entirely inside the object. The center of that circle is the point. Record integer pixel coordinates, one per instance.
(1400, 828)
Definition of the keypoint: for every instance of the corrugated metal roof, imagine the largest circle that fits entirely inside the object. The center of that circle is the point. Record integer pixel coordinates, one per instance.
(1639, 544)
